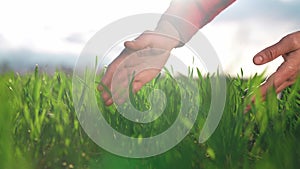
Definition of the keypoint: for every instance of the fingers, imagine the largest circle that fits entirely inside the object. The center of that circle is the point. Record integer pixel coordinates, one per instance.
(284, 85)
(106, 79)
(282, 77)
(285, 45)
(122, 95)
(120, 91)
(264, 90)
(105, 95)
(104, 87)
(289, 48)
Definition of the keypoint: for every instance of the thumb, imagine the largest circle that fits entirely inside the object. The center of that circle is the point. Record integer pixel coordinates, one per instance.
(141, 42)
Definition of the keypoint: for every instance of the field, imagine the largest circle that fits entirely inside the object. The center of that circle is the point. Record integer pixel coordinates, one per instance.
(39, 128)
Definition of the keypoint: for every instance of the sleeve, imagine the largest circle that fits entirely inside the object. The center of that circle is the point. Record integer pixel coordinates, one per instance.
(188, 16)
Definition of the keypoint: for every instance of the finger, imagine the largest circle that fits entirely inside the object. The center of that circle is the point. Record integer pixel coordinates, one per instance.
(105, 96)
(107, 77)
(136, 86)
(282, 75)
(120, 101)
(271, 82)
(285, 45)
(104, 87)
(120, 92)
(291, 80)
(284, 85)
(253, 99)
(136, 44)
(265, 88)
(279, 86)
(147, 75)
(139, 43)
(120, 98)
(109, 102)
(105, 81)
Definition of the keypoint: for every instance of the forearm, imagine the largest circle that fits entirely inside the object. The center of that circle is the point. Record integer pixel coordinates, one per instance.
(188, 16)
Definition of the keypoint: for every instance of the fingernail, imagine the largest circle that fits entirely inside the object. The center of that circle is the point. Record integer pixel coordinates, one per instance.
(258, 59)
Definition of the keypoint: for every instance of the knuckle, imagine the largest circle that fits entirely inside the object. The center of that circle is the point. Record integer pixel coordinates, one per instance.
(295, 42)
(292, 69)
(292, 40)
(270, 53)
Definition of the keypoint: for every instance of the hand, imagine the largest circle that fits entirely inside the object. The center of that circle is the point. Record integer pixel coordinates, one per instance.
(289, 48)
(144, 58)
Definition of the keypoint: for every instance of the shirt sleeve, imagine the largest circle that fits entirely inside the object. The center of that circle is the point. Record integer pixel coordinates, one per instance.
(188, 16)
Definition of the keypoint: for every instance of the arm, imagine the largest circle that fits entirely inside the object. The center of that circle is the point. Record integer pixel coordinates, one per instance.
(188, 16)
(177, 26)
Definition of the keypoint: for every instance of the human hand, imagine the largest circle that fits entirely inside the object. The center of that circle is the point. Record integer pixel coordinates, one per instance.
(144, 58)
(289, 48)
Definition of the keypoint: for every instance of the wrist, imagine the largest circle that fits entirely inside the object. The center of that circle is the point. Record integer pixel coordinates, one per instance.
(166, 29)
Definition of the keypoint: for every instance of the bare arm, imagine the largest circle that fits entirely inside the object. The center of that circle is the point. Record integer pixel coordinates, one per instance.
(178, 24)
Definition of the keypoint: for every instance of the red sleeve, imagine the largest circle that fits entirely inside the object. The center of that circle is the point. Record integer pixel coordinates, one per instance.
(191, 15)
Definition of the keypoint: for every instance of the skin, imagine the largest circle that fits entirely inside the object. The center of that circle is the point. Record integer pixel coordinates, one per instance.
(133, 60)
(129, 62)
(288, 48)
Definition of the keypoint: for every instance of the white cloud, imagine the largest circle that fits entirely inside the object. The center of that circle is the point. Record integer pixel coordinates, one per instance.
(236, 42)
(237, 34)
(43, 25)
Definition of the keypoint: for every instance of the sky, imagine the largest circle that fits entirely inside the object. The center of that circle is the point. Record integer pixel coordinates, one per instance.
(55, 32)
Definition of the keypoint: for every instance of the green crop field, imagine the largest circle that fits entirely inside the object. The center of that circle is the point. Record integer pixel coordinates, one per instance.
(39, 128)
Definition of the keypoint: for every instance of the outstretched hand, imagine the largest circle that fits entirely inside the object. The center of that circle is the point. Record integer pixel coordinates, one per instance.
(140, 62)
(289, 48)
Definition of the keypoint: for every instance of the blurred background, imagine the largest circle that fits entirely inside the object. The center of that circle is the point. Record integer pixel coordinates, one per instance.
(53, 33)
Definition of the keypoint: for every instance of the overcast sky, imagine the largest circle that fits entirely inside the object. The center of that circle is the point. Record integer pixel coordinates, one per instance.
(37, 31)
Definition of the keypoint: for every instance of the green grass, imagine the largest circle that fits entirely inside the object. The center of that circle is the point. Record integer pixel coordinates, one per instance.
(39, 128)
